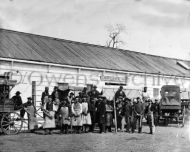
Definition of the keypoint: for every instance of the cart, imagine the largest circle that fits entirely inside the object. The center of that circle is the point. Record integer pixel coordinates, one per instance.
(10, 120)
(170, 105)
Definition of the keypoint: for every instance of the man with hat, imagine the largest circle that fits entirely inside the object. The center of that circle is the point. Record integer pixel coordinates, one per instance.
(44, 97)
(17, 100)
(149, 112)
(120, 93)
(145, 95)
(94, 93)
(156, 112)
(138, 115)
(101, 113)
(119, 113)
(92, 110)
(31, 112)
(128, 112)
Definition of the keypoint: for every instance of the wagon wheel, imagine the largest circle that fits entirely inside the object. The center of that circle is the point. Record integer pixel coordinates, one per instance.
(11, 123)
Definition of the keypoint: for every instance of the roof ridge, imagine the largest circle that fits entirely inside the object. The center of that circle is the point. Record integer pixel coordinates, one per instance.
(89, 44)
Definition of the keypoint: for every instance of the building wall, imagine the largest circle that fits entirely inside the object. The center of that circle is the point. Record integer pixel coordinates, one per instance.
(108, 81)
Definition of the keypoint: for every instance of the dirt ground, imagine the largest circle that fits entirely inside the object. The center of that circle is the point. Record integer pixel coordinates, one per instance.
(165, 139)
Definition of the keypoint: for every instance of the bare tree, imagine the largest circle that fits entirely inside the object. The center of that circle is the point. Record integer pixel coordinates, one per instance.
(114, 32)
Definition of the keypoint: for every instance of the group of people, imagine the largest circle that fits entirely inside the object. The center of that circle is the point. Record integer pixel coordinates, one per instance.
(82, 113)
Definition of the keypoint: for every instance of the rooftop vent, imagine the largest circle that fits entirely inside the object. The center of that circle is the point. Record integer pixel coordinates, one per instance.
(184, 65)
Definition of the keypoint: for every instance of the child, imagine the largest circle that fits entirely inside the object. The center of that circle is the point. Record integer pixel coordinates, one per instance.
(65, 119)
(86, 119)
(77, 111)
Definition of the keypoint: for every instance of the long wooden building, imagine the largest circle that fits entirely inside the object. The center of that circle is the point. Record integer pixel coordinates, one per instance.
(37, 61)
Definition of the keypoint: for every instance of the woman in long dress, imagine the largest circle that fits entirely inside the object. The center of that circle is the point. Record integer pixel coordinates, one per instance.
(76, 109)
(86, 118)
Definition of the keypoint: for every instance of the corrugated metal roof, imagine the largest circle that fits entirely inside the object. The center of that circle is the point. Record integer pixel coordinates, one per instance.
(24, 46)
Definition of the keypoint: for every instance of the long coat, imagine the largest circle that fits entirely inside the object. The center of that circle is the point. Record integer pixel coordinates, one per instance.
(101, 112)
(109, 115)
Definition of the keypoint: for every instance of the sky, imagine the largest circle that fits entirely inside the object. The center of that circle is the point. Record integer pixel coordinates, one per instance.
(158, 27)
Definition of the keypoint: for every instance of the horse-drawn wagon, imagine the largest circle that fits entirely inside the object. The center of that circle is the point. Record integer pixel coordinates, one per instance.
(10, 120)
(170, 105)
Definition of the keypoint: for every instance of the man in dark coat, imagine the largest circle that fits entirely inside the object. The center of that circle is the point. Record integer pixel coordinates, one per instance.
(109, 115)
(44, 94)
(138, 114)
(17, 100)
(149, 112)
(128, 111)
(101, 113)
(94, 93)
(119, 112)
(92, 110)
(156, 112)
(120, 93)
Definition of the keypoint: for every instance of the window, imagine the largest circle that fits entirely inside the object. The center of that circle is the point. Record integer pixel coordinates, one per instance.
(155, 92)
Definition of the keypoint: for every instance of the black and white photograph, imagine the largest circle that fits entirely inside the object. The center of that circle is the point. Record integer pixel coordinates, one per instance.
(94, 75)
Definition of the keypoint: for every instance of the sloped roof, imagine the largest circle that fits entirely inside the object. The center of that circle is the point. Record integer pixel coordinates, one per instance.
(24, 46)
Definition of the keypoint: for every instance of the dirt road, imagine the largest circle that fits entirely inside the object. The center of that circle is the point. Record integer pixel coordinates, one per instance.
(166, 139)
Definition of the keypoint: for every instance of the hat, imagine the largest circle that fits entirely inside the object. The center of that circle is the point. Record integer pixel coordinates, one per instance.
(127, 99)
(18, 92)
(101, 97)
(29, 98)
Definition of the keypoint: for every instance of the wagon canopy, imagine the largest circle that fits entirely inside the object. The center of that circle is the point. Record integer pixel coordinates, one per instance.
(170, 95)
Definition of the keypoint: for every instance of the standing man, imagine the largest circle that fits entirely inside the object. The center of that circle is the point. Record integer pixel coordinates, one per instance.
(138, 115)
(92, 110)
(149, 112)
(44, 97)
(156, 112)
(101, 113)
(44, 94)
(17, 100)
(145, 95)
(128, 111)
(94, 93)
(119, 112)
(120, 93)
(31, 111)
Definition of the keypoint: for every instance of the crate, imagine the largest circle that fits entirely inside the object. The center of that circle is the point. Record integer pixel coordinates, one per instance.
(6, 108)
